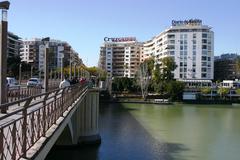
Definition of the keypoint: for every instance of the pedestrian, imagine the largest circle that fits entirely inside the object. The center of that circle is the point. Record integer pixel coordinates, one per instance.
(64, 83)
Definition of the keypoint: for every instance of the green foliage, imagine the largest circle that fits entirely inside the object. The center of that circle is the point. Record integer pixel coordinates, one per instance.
(150, 65)
(175, 89)
(13, 63)
(168, 66)
(238, 91)
(206, 90)
(223, 91)
(95, 71)
(124, 84)
(162, 75)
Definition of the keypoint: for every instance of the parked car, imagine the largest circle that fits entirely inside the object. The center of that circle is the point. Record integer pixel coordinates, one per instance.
(34, 82)
(12, 83)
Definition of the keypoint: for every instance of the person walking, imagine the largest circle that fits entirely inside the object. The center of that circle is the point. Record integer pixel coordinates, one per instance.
(64, 83)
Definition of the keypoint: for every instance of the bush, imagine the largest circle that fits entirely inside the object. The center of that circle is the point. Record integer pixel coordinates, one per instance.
(206, 90)
(175, 89)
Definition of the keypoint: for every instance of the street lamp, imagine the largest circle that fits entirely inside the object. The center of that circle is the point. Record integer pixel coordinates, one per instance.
(4, 6)
(75, 64)
(20, 73)
(62, 56)
(46, 72)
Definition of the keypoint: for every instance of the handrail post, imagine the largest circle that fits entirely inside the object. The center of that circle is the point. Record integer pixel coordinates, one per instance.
(14, 141)
(44, 114)
(1, 144)
(55, 106)
(24, 127)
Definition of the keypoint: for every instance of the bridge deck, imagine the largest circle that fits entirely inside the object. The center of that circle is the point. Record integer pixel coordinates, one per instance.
(29, 121)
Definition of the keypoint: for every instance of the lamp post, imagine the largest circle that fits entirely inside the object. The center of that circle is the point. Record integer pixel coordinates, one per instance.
(70, 69)
(4, 6)
(75, 69)
(46, 71)
(62, 56)
(20, 73)
(78, 72)
(31, 71)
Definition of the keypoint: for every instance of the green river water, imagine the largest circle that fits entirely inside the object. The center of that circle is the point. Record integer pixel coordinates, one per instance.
(205, 132)
(162, 132)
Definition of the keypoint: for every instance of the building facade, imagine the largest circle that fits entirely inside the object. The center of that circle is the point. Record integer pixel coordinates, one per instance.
(120, 57)
(190, 43)
(225, 67)
(60, 54)
(14, 45)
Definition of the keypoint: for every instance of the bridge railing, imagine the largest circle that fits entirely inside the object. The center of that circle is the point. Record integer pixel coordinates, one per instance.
(23, 125)
(16, 94)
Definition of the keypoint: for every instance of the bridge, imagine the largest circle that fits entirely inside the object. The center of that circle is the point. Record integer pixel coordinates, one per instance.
(33, 125)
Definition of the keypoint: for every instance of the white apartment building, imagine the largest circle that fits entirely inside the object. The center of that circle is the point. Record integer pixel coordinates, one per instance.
(120, 57)
(190, 43)
(60, 53)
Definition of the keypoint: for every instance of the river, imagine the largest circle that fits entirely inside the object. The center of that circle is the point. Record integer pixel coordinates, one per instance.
(162, 132)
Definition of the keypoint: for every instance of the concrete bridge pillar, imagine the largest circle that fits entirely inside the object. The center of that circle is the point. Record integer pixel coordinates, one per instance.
(82, 127)
(88, 119)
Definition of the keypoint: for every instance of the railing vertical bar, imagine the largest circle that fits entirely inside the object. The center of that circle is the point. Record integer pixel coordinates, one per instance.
(14, 141)
(1, 143)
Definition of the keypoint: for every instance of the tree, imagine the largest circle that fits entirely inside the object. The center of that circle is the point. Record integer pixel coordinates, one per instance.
(238, 91)
(168, 65)
(143, 77)
(162, 74)
(206, 90)
(223, 91)
(175, 89)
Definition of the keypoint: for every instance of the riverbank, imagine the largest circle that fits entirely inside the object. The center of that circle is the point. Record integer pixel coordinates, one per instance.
(152, 101)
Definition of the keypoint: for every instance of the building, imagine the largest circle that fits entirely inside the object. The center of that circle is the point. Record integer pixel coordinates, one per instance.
(120, 57)
(60, 52)
(225, 67)
(14, 45)
(190, 43)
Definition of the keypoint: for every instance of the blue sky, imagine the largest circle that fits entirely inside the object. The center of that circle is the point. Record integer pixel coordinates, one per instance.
(84, 23)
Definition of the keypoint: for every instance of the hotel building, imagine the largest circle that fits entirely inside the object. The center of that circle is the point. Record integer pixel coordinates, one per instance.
(120, 57)
(190, 43)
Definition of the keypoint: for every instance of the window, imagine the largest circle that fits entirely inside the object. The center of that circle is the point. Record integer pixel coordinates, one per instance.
(204, 58)
(204, 35)
(194, 41)
(194, 47)
(194, 52)
(185, 47)
(204, 69)
(194, 35)
(204, 41)
(171, 36)
(181, 47)
(204, 52)
(204, 46)
(204, 75)
(209, 58)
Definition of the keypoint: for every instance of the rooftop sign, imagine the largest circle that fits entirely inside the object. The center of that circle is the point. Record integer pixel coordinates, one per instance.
(193, 22)
(121, 39)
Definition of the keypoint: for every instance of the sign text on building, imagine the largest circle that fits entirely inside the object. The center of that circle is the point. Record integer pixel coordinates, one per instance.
(187, 22)
(122, 39)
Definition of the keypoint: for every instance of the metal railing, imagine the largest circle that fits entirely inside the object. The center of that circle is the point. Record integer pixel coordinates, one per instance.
(25, 124)
(18, 93)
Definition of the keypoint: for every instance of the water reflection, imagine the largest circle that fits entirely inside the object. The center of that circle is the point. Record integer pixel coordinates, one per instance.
(153, 132)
